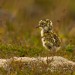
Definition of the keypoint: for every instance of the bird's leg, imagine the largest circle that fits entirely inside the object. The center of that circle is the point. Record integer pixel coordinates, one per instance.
(47, 57)
(50, 60)
(53, 51)
(52, 54)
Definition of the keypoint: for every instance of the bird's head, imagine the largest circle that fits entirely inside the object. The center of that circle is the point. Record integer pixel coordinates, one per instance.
(45, 24)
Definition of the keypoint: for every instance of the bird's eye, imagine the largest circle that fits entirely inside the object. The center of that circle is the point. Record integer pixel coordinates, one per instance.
(42, 24)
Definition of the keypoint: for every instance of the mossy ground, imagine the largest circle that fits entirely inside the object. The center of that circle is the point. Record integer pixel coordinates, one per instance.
(19, 37)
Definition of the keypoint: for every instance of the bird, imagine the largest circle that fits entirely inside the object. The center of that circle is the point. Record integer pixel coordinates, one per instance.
(50, 40)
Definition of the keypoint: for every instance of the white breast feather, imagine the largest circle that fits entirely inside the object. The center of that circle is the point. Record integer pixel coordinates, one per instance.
(42, 32)
(43, 38)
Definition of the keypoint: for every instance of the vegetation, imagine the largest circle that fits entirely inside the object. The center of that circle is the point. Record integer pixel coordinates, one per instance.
(19, 37)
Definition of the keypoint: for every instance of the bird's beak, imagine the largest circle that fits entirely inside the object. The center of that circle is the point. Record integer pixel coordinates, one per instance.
(37, 26)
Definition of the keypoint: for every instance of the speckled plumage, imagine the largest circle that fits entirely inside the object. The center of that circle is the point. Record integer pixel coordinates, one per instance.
(50, 39)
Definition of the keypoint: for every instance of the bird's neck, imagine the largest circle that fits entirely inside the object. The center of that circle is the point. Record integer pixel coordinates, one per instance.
(42, 32)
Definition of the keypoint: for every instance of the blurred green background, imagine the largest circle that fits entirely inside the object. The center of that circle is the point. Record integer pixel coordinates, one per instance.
(18, 19)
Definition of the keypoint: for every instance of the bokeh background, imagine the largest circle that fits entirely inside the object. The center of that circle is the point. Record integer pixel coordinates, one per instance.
(18, 19)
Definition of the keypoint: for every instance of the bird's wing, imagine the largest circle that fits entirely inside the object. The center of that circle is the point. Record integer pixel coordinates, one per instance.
(49, 45)
(57, 40)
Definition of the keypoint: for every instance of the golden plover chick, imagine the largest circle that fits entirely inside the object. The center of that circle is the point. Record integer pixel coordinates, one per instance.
(50, 39)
